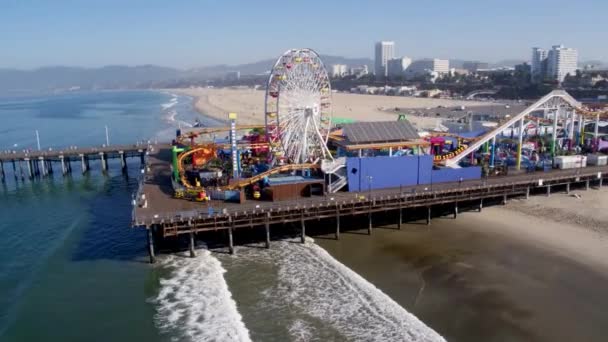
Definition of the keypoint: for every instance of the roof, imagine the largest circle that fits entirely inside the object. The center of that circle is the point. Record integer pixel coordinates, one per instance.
(379, 131)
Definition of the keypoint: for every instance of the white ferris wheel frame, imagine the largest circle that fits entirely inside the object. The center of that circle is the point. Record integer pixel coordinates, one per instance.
(297, 107)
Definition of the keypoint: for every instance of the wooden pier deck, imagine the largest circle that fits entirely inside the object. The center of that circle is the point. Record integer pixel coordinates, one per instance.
(166, 216)
(39, 163)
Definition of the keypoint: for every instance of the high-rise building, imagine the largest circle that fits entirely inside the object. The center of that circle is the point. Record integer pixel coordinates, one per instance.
(338, 70)
(561, 61)
(384, 52)
(538, 64)
(397, 66)
(554, 64)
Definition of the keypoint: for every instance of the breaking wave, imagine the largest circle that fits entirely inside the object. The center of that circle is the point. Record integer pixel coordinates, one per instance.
(194, 302)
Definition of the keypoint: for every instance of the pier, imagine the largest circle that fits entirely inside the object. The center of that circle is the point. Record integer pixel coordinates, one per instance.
(164, 216)
(42, 163)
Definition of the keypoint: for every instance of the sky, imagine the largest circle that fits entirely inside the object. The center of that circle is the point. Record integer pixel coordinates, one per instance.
(189, 33)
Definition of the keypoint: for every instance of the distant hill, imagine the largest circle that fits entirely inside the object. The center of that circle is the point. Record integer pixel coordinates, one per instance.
(265, 65)
(58, 78)
(50, 79)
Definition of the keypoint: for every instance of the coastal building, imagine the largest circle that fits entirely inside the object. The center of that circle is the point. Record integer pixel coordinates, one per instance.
(233, 76)
(561, 61)
(359, 71)
(396, 67)
(434, 67)
(473, 66)
(554, 64)
(384, 51)
(538, 63)
(339, 70)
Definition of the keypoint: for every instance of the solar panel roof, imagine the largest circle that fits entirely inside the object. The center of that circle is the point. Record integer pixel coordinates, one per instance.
(379, 131)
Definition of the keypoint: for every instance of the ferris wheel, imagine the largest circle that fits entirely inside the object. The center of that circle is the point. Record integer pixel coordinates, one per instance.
(298, 108)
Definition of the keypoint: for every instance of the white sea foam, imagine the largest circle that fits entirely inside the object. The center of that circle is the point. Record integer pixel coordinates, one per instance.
(171, 103)
(311, 281)
(195, 303)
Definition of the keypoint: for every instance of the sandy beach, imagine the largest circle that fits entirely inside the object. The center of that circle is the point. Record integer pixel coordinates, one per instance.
(533, 270)
(249, 104)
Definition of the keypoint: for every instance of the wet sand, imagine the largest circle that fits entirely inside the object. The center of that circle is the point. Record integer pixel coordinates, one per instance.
(499, 275)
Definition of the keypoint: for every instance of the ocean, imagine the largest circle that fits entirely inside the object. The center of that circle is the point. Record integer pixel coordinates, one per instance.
(72, 268)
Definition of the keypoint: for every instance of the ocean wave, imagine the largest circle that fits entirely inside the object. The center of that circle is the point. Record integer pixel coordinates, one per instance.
(174, 100)
(313, 284)
(195, 303)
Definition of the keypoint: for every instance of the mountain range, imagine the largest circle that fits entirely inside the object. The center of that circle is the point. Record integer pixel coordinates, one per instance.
(60, 78)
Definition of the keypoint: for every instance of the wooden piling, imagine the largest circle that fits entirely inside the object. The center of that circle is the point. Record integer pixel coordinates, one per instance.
(2, 171)
(63, 168)
(29, 168)
(192, 253)
(104, 161)
(568, 188)
(337, 223)
(267, 227)
(400, 222)
(548, 190)
(230, 240)
(455, 210)
(480, 204)
(587, 184)
(83, 164)
(428, 216)
(303, 228)
(151, 246)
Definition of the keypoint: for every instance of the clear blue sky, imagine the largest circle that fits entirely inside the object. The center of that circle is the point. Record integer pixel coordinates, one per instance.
(182, 33)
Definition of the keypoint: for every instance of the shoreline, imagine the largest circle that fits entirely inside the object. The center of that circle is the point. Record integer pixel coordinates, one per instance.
(510, 271)
(249, 105)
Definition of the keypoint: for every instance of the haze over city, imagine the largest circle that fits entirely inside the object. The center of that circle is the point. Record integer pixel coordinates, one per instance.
(365, 171)
(190, 34)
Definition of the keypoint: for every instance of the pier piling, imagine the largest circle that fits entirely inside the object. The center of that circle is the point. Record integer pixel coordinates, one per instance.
(15, 169)
(230, 241)
(369, 226)
(104, 161)
(83, 164)
(303, 228)
(480, 204)
(42, 171)
(568, 188)
(428, 216)
(549, 190)
(151, 246)
(504, 199)
(123, 161)
(267, 227)
(587, 184)
(455, 210)
(400, 222)
(63, 168)
(29, 168)
(337, 223)
(2, 171)
(192, 253)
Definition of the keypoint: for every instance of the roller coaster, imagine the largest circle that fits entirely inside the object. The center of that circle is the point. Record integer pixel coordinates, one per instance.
(557, 101)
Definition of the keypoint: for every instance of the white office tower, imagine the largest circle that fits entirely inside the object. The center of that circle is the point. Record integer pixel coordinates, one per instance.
(338, 70)
(385, 51)
(397, 66)
(538, 63)
(561, 61)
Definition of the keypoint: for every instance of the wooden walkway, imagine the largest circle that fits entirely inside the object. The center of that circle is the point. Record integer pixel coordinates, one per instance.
(33, 164)
(165, 216)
